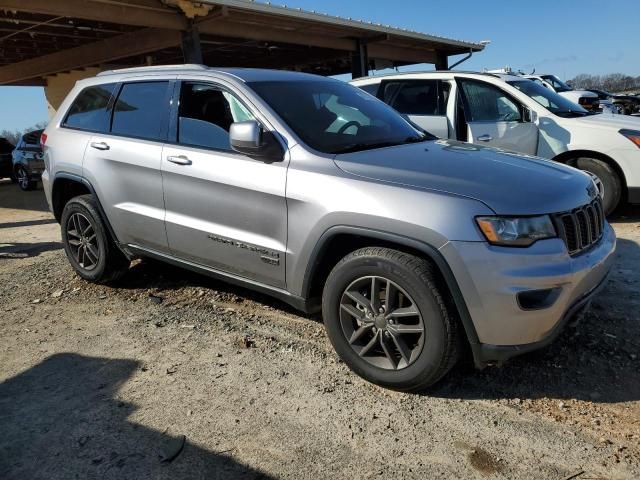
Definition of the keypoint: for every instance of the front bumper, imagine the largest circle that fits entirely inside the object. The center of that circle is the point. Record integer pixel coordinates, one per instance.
(490, 279)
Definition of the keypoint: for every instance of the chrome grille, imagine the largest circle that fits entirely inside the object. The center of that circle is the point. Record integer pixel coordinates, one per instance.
(581, 228)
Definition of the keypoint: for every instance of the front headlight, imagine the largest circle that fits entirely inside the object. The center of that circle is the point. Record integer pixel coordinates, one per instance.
(516, 231)
(633, 135)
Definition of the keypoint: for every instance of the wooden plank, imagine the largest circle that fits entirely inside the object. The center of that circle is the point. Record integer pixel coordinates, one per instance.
(121, 46)
(235, 30)
(101, 12)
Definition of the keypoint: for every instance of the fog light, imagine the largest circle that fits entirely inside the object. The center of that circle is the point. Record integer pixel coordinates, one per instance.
(538, 299)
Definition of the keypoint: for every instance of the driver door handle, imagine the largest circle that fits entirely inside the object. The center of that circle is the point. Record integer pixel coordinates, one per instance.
(485, 138)
(179, 160)
(100, 145)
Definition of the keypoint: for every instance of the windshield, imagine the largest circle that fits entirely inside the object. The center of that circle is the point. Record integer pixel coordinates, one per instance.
(550, 100)
(334, 117)
(558, 84)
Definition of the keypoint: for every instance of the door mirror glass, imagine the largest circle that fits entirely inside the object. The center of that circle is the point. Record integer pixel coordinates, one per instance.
(250, 139)
(528, 115)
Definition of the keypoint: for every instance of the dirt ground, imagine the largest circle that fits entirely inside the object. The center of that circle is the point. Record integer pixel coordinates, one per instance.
(173, 375)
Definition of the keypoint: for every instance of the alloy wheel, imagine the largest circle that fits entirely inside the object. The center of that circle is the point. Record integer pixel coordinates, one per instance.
(23, 178)
(381, 323)
(83, 241)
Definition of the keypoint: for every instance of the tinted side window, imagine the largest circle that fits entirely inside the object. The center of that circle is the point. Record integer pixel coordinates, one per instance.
(89, 110)
(371, 88)
(418, 97)
(206, 114)
(487, 103)
(142, 110)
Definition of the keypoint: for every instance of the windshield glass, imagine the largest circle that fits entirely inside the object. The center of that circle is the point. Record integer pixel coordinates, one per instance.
(558, 84)
(550, 100)
(334, 117)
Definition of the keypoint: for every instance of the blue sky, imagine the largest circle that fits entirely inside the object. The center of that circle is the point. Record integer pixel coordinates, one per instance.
(562, 37)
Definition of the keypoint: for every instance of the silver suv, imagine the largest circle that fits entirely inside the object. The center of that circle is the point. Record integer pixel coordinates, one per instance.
(319, 194)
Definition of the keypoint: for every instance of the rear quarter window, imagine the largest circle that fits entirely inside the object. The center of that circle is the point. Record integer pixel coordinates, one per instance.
(89, 110)
(371, 88)
(142, 110)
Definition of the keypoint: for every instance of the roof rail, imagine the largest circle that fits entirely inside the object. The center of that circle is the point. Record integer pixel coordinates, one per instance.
(155, 68)
(399, 74)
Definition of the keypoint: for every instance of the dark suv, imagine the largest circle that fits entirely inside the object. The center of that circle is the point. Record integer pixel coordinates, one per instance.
(27, 160)
(6, 168)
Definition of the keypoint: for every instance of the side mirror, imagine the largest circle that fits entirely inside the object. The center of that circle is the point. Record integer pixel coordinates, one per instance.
(529, 116)
(251, 140)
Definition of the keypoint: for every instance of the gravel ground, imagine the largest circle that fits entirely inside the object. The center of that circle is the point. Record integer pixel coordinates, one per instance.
(172, 375)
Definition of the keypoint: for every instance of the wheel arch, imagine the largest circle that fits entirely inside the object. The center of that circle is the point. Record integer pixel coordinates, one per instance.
(67, 186)
(339, 241)
(569, 157)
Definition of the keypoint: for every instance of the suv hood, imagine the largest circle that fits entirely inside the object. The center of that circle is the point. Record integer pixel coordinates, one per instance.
(508, 183)
(612, 121)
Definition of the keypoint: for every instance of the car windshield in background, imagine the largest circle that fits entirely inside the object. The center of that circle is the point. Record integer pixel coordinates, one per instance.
(334, 117)
(550, 100)
(558, 84)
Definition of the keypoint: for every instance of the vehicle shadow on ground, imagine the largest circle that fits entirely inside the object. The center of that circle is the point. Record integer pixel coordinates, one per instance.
(25, 250)
(153, 274)
(13, 198)
(625, 213)
(28, 223)
(62, 419)
(597, 360)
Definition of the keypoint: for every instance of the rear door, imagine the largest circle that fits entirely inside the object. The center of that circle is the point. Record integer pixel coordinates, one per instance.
(224, 209)
(424, 102)
(123, 164)
(496, 119)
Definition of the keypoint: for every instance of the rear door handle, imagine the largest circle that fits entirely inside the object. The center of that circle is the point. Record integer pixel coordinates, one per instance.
(179, 160)
(485, 138)
(100, 145)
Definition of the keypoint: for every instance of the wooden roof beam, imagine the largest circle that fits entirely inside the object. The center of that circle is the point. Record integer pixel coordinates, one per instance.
(103, 51)
(129, 14)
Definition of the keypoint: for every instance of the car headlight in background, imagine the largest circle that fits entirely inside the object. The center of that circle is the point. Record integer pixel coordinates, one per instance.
(633, 135)
(516, 231)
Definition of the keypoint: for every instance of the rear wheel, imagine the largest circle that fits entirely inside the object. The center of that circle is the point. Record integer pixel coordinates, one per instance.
(88, 246)
(22, 177)
(386, 316)
(607, 181)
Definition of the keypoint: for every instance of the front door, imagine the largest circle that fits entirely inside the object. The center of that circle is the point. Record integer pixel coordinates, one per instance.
(496, 119)
(224, 210)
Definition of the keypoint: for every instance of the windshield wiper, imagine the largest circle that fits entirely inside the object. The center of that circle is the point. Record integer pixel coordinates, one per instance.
(358, 147)
(566, 113)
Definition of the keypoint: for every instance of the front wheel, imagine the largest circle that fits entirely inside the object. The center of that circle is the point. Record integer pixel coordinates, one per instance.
(22, 177)
(386, 316)
(606, 179)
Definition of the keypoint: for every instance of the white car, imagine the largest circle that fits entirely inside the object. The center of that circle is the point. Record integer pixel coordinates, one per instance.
(584, 98)
(512, 113)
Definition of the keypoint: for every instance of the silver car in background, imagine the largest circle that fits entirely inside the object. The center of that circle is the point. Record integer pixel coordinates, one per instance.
(319, 194)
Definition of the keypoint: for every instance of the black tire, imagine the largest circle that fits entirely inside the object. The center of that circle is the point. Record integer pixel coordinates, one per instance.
(22, 178)
(13, 178)
(416, 277)
(111, 263)
(611, 183)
